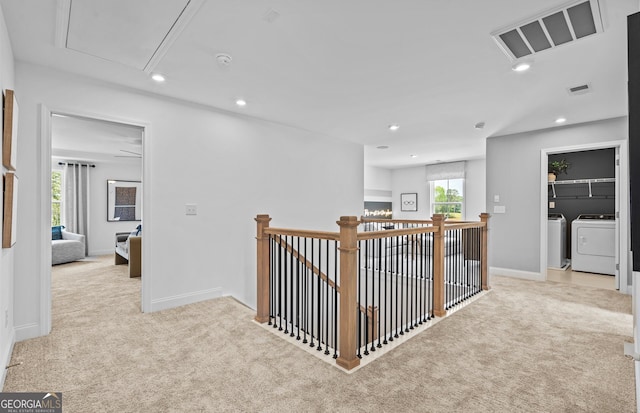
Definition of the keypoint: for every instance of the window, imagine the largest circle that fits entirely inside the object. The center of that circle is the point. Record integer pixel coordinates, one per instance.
(448, 198)
(56, 197)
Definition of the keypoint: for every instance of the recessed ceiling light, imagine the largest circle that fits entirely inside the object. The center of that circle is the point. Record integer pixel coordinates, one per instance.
(241, 102)
(521, 67)
(382, 147)
(561, 120)
(479, 125)
(414, 156)
(394, 127)
(158, 77)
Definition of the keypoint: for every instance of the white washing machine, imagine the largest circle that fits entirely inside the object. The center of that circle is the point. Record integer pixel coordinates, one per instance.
(593, 240)
(556, 241)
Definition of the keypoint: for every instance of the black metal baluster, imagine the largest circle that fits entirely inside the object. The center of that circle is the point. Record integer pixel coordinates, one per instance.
(305, 297)
(373, 293)
(312, 304)
(319, 330)
(359, 283)
(335, 299)
(271, 310)
(383, 314)
(366, 299)
(326, 315)
(280, 281)
(403, 263)
(420, 302)
(397, 250)
(298, 286)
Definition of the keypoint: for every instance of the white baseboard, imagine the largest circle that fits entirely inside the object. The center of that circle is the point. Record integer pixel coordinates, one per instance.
(6, 358)
(27, 331)
(525, 275)
(184, 299)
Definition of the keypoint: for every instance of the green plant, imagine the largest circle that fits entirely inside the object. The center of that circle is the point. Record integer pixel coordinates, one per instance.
(558, 167)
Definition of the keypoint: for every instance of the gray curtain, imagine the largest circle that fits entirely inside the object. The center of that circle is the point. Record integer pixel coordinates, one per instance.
(76, 200)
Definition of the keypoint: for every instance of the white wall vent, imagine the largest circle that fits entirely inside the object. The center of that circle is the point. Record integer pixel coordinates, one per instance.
(565, 24)
(579, 90)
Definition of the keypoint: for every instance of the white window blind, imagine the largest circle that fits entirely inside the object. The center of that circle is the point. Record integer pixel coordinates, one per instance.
(450, 170)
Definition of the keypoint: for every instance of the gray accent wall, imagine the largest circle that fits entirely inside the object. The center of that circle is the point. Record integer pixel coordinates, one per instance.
(513, 173)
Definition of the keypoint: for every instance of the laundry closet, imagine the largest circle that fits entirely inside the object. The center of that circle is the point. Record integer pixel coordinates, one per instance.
(581, 207)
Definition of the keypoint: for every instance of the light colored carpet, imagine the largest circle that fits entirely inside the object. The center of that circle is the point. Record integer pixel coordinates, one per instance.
(526, 347)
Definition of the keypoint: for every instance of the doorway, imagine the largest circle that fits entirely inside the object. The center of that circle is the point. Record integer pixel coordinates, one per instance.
(116, 147)
(578, 199)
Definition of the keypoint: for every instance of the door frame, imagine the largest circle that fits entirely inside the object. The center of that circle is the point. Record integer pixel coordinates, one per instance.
(622, 204)
(45, 207)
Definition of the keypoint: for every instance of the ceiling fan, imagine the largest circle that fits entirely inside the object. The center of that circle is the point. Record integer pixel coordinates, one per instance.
(133, 154)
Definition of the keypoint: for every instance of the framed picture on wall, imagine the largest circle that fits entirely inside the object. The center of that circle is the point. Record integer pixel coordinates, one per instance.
(10, 130)
(124, 200)
(10, 210)
(409, 202)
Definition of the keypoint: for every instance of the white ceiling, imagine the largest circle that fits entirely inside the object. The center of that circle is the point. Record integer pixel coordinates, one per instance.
(76, 138)
(348, 69)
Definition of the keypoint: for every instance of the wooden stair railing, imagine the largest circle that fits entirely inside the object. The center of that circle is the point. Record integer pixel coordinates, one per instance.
(348, 251)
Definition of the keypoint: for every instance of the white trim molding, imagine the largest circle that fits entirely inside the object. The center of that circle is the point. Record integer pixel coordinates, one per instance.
(184, 299)
(6, 358)
(27, 331)
(509, 272)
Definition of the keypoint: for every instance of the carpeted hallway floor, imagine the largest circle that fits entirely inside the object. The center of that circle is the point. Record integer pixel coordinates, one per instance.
(525, 347)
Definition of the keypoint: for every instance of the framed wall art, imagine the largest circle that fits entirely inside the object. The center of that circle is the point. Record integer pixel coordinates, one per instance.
(10, 130)
(124, 200)
(409, 202)
(10, 210)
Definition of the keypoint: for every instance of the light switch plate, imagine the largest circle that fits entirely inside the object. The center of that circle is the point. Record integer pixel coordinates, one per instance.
(496, 198)
(191, 209)
(499, 209)
(552, 204)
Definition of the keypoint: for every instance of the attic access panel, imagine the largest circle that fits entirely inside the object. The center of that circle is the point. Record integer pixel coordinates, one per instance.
(133, 33)
(562, 25)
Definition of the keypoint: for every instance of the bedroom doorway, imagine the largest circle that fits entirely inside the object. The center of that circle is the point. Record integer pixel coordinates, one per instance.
(113, 150)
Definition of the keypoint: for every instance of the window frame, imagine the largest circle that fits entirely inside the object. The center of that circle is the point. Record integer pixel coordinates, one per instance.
(434, 204)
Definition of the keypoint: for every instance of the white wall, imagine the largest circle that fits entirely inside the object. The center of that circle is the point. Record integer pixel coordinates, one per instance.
(411, 180)
(377, 184)
(102, 232)
(513, 173)
(233, 167)
(415, 180)
(475, 189)
(7, 255)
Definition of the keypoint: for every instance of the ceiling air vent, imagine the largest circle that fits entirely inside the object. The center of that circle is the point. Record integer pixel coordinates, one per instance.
(550, 29)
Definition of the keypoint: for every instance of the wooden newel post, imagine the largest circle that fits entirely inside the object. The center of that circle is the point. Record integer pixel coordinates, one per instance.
(348, 287)
(484, 217)
(262, 305)
(438, 266)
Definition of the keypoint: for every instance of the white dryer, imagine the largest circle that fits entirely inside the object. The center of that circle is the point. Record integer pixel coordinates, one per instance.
(593, 240)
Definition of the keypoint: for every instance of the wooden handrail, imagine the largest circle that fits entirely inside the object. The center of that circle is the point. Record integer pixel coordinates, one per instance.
(303, 233)
(395, 232)
(451, 227)
(307, 263)
(396, 221)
